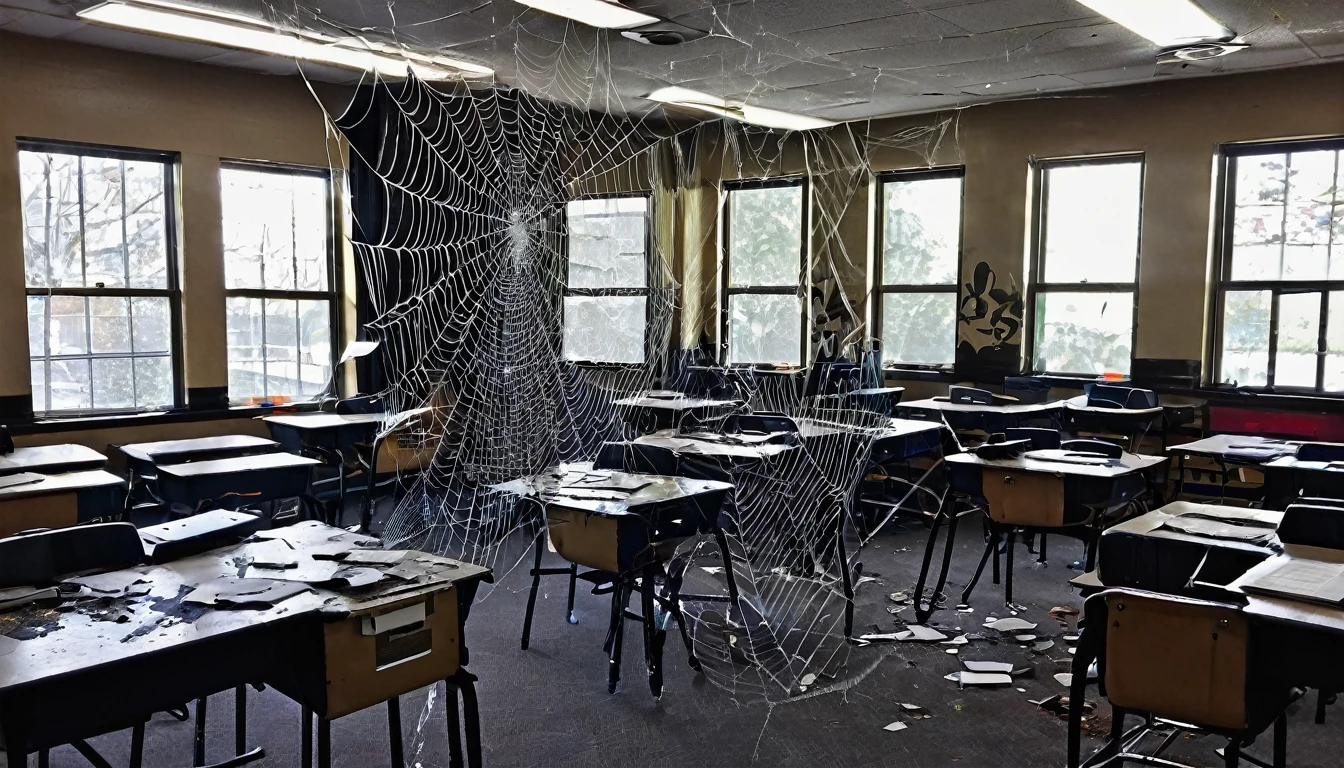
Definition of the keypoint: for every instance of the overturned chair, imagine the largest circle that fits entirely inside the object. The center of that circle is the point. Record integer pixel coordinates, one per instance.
(1182, 665)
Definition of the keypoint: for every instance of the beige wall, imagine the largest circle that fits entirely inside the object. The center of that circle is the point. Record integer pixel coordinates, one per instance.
(69, 92)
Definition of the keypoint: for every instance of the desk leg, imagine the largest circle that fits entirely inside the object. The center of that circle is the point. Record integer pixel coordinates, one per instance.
(306, 738)
(1008, 568)
(16, 757)
(454, 722)
(394, 731)
(370, 480)
(43, 759)
(948, 510)
(727, 554)
(471, 713)
(654, 635)
(240, 720)
(991, 548)
(532, 595)
(137, 745)
(323, 742)
(198, 753)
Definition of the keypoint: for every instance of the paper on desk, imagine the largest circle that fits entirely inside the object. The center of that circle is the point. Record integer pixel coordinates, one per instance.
(357, 349)
(376, 556)
(271, 554)
(358, 577)
(231, 592)
(21, 478)
(1318, 581)
(307, 572)
(1214, 529)
(17, 597)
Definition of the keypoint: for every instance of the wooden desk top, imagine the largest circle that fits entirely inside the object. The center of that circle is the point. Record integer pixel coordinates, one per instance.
(1292, 462)
(53, 642)
(1127, 464)
(51, 458)
(258, 463)
(606, 492)
(185, 449)
(67, 482)
(1243, 448)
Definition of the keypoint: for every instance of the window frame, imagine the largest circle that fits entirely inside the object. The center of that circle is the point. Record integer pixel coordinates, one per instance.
(645, 292)
(881, 288)
(802, 290)
(1036, 262)
(334, 272)
(1225, 242)
(172, 290)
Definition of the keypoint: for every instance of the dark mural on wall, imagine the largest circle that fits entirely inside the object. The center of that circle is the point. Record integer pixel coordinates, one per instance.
(989, 326)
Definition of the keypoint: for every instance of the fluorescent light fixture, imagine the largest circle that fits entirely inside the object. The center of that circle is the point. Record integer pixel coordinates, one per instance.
(594, 13)
(1168, 23)
(247, 34)
(769, 118)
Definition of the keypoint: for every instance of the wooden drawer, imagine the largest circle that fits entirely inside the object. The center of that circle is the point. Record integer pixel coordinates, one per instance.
(56, 510)
(367, 664)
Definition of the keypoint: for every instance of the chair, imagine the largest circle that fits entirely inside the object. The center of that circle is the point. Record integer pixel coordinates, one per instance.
(626, 554)
(970, 396)
(1041, 438)
(1179, 662)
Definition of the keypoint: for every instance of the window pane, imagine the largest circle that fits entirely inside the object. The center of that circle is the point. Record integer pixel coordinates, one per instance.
(49, 186)
(146, 224)
(282, 347)
(919, 328)
(1245, 358)
(1092, 222)
(104, 244)
(765, 236)
(275, 230)
(151, 323)
(69, 329)
(764, 329)
(154, 381)
(37, 326)
(113, 382)
(1084, 332)
(608, 329)
(246, 361)
(607, 242)
(921, 231)
(1334, 344)
(71, 389)
(109, 324)
(314, 348)
(38, 369)
(1299, 338)
(1261, 179)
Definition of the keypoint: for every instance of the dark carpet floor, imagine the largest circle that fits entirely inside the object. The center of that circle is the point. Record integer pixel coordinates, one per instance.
(549, 707)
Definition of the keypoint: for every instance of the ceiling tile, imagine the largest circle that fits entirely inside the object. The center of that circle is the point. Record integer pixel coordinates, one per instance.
(887, 32)
(995, 15)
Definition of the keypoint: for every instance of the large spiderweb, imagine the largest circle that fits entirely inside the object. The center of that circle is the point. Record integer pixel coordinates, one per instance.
(462, 251)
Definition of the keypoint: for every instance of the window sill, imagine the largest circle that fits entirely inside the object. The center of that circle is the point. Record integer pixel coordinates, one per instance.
(125, 420)
(897, 373)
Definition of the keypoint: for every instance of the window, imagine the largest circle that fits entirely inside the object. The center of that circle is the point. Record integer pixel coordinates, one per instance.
(1086, 261)
(99, 269)
(764, 263)
(1280, 313)
(918, 266)
(608, 286)
(278, 282)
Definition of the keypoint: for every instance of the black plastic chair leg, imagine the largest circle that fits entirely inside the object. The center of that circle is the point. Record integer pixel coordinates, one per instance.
(1232, 753)
(43, 759)
(1281, 741)
(137, 746)
(614, 661)
(471, 718)
(240, 720)
(532, 595)
(653, 634)
(198, 751)
(306, 738)
(323, 743)
(569, 607)
(453, 720)
(1008, 573)
(991, 548)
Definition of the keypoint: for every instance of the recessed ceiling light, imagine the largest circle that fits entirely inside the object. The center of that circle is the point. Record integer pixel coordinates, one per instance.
(248, 34)
(594, 13)
(1168, 23)
(769, 118)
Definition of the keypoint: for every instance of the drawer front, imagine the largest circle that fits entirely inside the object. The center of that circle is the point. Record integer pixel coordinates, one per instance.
(56, 510)
(367, 664)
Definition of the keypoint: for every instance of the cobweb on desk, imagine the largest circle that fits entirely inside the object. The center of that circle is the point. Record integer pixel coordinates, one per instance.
(469, 282)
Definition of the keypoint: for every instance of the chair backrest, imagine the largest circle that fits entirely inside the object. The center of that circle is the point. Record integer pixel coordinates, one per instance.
(1312, 525)
(43, 557)
(1176, 658)
(1112, 396)
(1016, 497)
(1041, 438)
(762, 421)
(970, 395)
(6, 440)
(1320, 452)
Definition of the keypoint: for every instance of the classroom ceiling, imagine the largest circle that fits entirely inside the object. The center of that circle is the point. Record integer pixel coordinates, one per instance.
(835, 59)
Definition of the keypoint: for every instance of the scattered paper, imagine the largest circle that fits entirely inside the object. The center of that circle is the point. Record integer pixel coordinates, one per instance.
(980, 678)
(953, 651)
(230, 592)
(958, 640)
(883, 637)
(376, 556)
(114, 584)
(308, 572)
(1063, 612)
(1002, 667)
(1024, 638)
(920, 633)
(274, 554)
(1043, 645)
(1071, 638)
(915, 711)
(14, 597)
(808, 679)
(357, 349)
(1064, 678)
(899, 597)
(896, 726)
(7, 645)
(358, 577)
(712, 569)
(1009, 625)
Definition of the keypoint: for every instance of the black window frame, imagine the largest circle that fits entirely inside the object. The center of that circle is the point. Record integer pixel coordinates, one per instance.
(1225, 243)
(802, 290)
(334, 273)
(171, 162)
(881, 288)
(1036, 263)
(649, 275)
